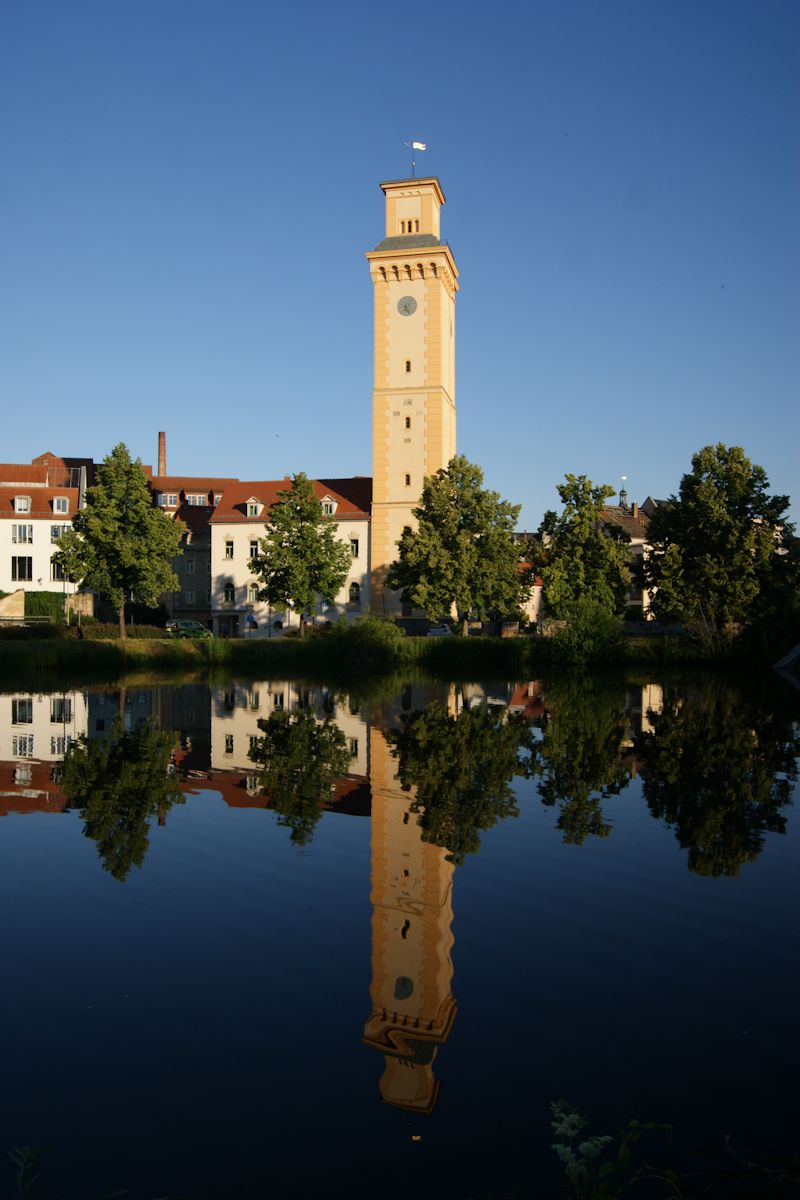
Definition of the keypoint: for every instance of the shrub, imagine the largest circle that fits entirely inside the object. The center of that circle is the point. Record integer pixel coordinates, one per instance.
(590, 635)
(45, 604)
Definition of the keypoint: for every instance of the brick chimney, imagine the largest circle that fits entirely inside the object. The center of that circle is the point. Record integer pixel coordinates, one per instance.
(162, 454)
(634, 509)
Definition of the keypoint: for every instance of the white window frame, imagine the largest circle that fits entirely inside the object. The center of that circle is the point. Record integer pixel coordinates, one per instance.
(15, 575)
(22, 504)
(61, 505)
(22, 535)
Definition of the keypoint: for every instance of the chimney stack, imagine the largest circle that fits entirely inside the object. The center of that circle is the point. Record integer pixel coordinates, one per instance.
(634, 509)
(162, 454)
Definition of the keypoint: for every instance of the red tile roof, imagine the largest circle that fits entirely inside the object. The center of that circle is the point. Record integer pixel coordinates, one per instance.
(189, 483)
(41, 503)
(353, 498)
(22, 473)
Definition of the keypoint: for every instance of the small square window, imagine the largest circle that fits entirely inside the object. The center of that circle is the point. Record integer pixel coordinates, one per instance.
(61, 504)
(22, 711)
(254, 548)
(22, 504)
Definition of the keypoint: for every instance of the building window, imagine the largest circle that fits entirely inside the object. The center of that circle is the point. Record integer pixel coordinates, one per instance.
(277, 700)
(57, 531)
(408, 481)
(21, 569)
(327, 508)
(172, 500)
(22, 504)
(22, 534)
(229, 593)
(217, 498)
(252, 508)
(57, 573)
(408, 366)
(354, 747)
(23, 776)
(162, 500)
(190, 597)
(61, 504)
(229, 549)
(252, 783)
(408, 422)
(253, 699)
(354, 593)
(188, 566)
(22, 746)
(22, 712)
(229, 743)
(192, 500)
(60, 745)
(354, 547)
(252, 593)
(60, 710)
(254, 548)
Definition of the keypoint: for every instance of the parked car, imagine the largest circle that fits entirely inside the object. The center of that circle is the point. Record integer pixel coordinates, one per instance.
(439, 631)
(187, 629)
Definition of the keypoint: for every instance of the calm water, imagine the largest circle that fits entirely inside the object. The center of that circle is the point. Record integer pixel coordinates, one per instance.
(515, 893)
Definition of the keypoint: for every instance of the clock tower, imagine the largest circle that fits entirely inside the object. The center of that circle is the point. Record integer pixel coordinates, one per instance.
(415, 280)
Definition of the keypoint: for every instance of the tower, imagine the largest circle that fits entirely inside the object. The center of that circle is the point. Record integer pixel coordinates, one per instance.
(415, 280)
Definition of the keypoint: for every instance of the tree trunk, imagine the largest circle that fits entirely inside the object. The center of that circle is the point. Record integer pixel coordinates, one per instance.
(302, 625)
(122, 620)
(465, 626)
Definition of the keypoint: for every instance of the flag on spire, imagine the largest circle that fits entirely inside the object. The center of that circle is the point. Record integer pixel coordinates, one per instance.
(418, 146)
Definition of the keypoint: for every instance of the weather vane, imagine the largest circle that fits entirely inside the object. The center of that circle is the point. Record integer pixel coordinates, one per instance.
(413, 147)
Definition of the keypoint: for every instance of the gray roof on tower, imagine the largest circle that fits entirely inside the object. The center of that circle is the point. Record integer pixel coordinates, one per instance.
(410, 241)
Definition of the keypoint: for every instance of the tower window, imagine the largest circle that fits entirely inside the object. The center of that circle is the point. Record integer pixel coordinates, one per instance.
(408, 366)
(416, 226)
(408, 422)
(402, 226)
(408, 481)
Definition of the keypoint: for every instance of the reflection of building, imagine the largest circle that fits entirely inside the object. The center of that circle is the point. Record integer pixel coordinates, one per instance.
(412, 897)
(35, 731)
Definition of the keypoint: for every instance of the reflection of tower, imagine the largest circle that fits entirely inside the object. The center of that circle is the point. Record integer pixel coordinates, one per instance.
(412, 910)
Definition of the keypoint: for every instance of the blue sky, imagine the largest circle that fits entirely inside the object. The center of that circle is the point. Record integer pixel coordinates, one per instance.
(188, 188)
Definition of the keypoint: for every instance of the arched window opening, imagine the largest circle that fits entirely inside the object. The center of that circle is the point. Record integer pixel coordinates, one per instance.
(354, 593)
(229, 593)
(408, 422)
(408, 481)
(433, 269)
(408, 366)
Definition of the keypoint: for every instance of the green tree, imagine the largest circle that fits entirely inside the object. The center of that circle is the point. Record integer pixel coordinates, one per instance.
(462, 553)
(578, 761)
(718, 766)
(119, 544)
(300, 557)
(119, 784)
(582, 559)
(721, 552)
(460, 771)
(302, 759)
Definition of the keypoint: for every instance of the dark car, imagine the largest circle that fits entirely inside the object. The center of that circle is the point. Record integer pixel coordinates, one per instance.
(187, 629)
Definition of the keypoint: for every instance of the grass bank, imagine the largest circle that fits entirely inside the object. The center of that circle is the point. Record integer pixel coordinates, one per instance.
(347, 655)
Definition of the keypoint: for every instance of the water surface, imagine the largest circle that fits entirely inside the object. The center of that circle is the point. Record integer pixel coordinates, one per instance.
(267, 939)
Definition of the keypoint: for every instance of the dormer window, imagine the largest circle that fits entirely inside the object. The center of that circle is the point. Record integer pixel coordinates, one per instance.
(254, 507)
(328, 506)
(61, 504)
(217, 498)
(22, 504)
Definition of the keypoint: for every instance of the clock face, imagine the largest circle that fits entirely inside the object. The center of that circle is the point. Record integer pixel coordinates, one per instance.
(406, 305)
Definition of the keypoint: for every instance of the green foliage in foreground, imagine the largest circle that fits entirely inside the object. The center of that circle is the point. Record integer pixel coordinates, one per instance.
(722, 551)
(119, 544)
(590, 635)
(461, 555)
(300, 556)
(582, 560)
(119, 783)
(460, 771)
(301, 760)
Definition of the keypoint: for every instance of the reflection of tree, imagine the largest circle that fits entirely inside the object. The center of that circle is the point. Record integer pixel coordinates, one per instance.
(119, 784)
(719, 766)
(460, 769)
(302, 760)
(578, 759)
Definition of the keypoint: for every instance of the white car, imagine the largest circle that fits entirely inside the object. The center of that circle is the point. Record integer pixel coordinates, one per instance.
(439, 631)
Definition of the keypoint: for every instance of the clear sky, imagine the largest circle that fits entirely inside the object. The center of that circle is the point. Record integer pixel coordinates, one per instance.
(187, 189)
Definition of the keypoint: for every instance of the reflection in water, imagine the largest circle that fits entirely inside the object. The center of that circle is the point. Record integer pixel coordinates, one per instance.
(719, 766)
(579, 760)
(302, 760)
(433, 772)
(413, 1009)
(459, 769)
(119, 783)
